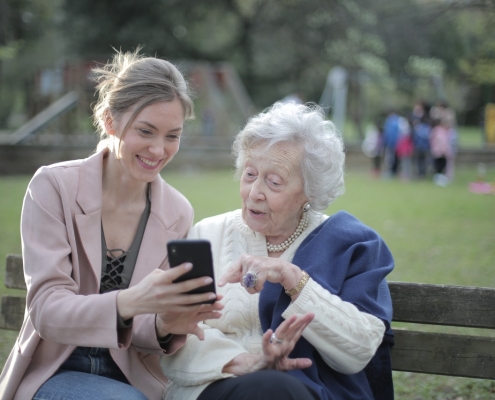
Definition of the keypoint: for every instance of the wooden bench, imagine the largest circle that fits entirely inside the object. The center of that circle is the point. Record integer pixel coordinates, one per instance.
(414, 350)
(12, 307)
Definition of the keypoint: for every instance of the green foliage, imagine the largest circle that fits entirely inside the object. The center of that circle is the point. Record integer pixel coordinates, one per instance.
(480, 70)
(29, 41)
(10, 51)
(278, 47)
(245, 36)
(425, 67)
(478, 62)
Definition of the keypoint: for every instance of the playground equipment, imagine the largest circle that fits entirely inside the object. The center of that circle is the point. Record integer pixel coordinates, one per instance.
(62, 128)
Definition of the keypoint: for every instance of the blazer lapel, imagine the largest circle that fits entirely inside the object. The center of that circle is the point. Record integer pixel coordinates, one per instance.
(89, 198)
(89, 227)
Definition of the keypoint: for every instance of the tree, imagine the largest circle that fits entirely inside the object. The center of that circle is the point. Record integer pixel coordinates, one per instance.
(269, 42)
(278, 46)
(26, 43)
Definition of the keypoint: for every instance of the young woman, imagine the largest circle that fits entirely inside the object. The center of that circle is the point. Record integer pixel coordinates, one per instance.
(101, 305)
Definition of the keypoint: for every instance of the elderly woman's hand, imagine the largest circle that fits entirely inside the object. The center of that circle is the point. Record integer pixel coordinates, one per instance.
(265, 269)
(276, 349)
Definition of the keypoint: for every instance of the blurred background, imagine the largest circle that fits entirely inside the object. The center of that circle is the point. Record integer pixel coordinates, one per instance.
(366, 62)
(357, 58)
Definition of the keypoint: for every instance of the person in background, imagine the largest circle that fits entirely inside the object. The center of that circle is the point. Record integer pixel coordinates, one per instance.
(421, 138)
(441, 151)
(446, 115)
(101, 305)
(405, 150)
(372, 147)
(307, 305)
(391, 135)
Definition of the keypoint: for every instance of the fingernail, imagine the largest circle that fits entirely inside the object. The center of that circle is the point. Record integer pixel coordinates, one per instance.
(220, 283)
(208, 280)
(188, 266)
(212, 296)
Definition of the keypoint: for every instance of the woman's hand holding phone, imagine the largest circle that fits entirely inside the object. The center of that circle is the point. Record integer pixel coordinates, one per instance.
(177, 312)
(200, 307)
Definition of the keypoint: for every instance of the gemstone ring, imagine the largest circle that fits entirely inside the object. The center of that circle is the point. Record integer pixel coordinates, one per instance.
(249, 280)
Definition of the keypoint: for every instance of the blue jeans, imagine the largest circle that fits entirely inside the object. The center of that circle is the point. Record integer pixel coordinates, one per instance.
(89, 373)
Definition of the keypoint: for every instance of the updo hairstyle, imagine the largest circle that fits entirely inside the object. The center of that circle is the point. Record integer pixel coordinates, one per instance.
(132, 80)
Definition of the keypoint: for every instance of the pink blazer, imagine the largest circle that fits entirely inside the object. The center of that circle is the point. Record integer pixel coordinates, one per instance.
(61, 247)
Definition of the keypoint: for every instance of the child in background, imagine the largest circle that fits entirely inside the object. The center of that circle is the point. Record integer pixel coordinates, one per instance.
(405, 150)
(441, 151)
(372, 147)
(421, 141)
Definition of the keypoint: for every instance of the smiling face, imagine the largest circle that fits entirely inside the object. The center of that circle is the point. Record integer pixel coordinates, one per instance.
(272, 190)
(151, 139)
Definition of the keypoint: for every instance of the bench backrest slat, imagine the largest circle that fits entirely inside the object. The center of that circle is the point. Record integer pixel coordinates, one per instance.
(12, 312)
(13, 307)
(444, 354)
(14, 274)
(443, 304)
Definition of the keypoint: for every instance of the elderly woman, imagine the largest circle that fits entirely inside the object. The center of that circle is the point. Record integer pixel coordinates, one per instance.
(304, 293)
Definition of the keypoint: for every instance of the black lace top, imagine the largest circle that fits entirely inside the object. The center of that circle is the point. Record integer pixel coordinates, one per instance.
(117, 264)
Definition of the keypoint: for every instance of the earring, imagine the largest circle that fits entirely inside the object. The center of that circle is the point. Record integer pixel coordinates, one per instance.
(306, 207)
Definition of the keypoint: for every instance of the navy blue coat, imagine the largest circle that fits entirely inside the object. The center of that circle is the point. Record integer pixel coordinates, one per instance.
(351, 261)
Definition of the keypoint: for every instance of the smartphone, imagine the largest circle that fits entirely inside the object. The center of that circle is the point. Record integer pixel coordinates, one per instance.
(198, 253)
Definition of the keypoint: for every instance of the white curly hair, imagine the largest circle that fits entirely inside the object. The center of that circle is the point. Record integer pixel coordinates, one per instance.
(305, 125)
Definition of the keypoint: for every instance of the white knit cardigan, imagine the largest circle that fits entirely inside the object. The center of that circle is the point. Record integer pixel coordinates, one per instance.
(345, 337)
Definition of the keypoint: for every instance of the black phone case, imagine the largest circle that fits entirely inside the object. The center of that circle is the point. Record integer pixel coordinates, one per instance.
(198, 253)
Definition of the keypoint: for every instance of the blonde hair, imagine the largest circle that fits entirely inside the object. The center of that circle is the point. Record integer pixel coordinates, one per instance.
(133, 80)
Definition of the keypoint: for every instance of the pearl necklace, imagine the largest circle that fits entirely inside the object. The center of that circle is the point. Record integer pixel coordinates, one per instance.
(303, 224)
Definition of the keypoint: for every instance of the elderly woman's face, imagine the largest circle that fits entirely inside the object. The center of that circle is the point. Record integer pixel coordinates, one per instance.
(272, 190)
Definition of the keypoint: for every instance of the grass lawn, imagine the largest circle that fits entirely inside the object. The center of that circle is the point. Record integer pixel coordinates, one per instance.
(437, 235)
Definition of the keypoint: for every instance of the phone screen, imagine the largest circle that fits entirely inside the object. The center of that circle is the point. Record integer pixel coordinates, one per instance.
(198, 253)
